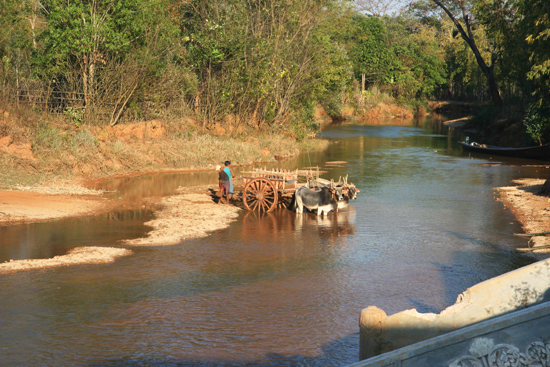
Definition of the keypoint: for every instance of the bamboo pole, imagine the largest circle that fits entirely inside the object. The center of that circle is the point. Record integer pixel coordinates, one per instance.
(532, 234)
(527, 249)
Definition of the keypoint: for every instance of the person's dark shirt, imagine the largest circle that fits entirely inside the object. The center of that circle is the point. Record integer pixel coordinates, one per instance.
(223, 176)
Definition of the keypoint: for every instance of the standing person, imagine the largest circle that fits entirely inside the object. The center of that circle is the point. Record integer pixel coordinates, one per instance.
(227, 169)
(224, 183)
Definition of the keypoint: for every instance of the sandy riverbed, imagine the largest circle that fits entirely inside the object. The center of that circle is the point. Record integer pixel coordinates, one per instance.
(531, 210)
(192, 212)
(44, 203)
(189, 213)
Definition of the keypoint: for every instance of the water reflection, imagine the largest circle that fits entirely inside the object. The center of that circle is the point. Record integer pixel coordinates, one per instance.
(277, 224)
(45, 240)
(137, 187)
(332, 229)
(278, 289)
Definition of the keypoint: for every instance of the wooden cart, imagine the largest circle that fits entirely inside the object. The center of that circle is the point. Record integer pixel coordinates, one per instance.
(264, 190)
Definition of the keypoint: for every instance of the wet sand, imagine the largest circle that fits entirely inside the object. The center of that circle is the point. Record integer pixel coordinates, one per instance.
(24, 206)
(190, 213)
(77, 256)
(531, 210)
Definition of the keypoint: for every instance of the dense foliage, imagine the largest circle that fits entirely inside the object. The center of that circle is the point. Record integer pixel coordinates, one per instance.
(268, 63)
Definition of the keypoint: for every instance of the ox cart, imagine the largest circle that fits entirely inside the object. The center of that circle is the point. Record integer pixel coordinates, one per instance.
(264, 190)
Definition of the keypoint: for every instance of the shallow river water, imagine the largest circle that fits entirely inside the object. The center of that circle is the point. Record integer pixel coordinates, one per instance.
(275, 290)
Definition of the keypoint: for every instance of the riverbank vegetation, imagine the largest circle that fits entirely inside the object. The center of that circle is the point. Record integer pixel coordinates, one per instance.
(251, 80)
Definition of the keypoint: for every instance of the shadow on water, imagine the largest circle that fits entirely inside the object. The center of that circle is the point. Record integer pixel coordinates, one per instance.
(346, 346)
(461, 275)
(464, 270)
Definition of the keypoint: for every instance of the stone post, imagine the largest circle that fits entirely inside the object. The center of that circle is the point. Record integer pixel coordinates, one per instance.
(370, 332)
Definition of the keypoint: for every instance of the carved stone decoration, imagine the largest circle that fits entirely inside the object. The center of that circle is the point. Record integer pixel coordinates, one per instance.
(483, 353)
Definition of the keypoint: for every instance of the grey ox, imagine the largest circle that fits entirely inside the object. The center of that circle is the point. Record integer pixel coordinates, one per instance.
(324, 200)
(349, 193)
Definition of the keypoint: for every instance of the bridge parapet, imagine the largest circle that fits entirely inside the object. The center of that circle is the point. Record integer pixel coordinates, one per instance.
(520, 339)
(504, 295)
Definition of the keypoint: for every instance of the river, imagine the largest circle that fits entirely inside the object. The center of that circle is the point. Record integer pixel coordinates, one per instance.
(281, 289)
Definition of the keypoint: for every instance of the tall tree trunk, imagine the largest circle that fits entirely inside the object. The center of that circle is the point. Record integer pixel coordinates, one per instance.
(85, 81)
(33, 18)
(493, 88)
(545, 190)
(488, 70)
(468, 37)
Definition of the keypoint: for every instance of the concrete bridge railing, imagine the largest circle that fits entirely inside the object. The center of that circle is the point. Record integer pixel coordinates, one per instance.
(505, 294)
(518, 339)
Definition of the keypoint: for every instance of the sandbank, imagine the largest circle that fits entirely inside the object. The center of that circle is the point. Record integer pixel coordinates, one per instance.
(531, 210)
(190, 213)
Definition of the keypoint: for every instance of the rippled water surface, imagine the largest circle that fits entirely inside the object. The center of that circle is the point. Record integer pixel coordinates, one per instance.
(275, 290)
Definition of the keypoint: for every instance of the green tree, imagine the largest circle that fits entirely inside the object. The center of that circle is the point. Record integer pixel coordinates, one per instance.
(106, 49)
(85, 33)
(461, 13)
(371, 53)
(398, 55)
(535, 21)
(19, 24)
(261, 61)
(466, 80)
(501, 22)
(422, 73)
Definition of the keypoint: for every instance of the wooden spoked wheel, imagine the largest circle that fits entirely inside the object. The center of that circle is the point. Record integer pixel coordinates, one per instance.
(282, 202)
(259, 195)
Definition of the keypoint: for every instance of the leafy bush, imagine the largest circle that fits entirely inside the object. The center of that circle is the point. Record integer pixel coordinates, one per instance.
(375, 95)
(537, 122)
(74, 115)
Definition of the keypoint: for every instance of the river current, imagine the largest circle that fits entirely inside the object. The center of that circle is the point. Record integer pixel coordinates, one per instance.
(281, 289)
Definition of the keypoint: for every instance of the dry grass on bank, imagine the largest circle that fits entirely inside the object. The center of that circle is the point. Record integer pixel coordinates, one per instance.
(37, 154)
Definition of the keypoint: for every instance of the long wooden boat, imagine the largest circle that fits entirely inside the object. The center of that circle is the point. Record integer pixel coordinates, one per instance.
(535, 152)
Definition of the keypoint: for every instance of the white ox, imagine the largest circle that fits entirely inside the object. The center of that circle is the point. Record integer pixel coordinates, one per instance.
(323, 200)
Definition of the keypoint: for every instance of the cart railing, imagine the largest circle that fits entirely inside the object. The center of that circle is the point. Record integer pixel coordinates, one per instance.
(264, 190)
(281, 179)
